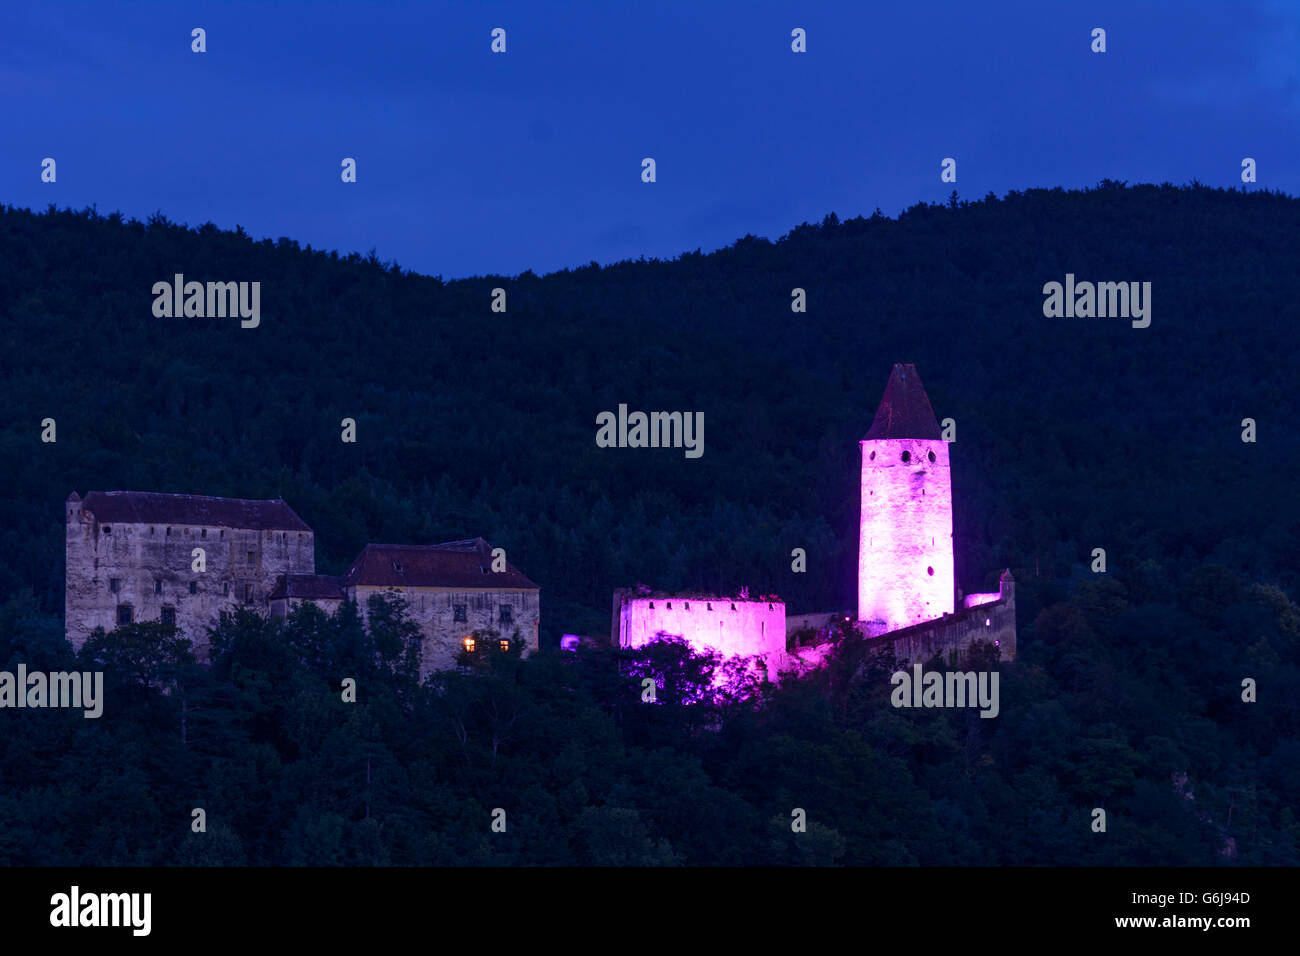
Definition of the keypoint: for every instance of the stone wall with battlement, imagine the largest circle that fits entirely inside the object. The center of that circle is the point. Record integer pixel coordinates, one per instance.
(992, 620)
(733, 626)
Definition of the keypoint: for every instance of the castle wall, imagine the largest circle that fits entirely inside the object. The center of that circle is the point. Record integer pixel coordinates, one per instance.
(950, 636)
(152, 565)
(434, 610)
(818, 621)
(992, 619)
(729, 626)
(905, 554)
(282, 607)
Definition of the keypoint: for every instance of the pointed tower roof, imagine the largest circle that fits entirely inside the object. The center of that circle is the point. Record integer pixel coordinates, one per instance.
(904, 410)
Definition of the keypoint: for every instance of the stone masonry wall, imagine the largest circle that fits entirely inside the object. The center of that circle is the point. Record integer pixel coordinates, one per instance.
(950, 636)
(905, 562)
(152, 567)
(434, 610)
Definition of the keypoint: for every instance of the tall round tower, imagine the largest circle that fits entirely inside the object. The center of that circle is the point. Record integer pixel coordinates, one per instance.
(905, 566)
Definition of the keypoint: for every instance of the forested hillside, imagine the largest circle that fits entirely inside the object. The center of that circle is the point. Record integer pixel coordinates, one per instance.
(1072, 434)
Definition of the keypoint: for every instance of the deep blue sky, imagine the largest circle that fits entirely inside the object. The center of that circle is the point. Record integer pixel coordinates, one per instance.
(471, 162)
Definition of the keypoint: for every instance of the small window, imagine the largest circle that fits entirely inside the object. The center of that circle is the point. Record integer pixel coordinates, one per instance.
(203, 533)
(397, 566)
(248, 594)
(469, 645)
(460, 612)
(157, 585)
(507, 614)
(115, 584)
(652, 605)
(169, 616)
(931, 456)
(688, 605)
(108, 529)
(225, 587)
(872, 456)
(733, 607)
(670, 605)
(169, 532)
(907, 456)
(151, 530)
(221, 534)
(124, 614)
(194, 587)
(930, 571)
(505, 645)
(251, 556)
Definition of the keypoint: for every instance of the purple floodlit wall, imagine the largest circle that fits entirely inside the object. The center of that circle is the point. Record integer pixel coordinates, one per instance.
(729, 626)
(972, 600)
(905, 566)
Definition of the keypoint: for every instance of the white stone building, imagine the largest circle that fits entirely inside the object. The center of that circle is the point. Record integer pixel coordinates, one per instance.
(179, 559)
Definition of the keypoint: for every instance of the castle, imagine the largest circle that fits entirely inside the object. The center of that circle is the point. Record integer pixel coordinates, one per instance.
(906, 600)
(182, 559)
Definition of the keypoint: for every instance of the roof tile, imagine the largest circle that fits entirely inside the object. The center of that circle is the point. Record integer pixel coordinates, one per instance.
(452, 564)
(147, 507)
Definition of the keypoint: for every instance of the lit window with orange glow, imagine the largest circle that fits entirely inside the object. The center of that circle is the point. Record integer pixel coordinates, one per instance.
(469, 645)
(505, 645)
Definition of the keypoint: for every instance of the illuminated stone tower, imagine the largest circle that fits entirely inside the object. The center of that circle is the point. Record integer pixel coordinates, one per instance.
(905, 566)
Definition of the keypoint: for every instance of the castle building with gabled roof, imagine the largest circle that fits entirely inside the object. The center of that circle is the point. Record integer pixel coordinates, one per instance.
(182, 559)
(453, 591)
